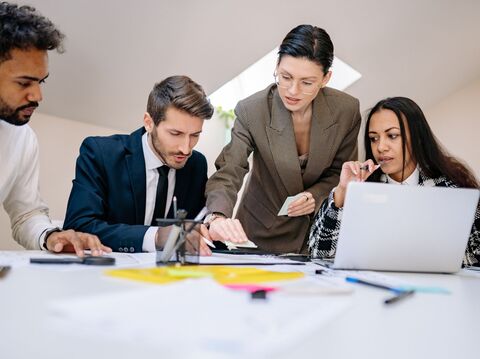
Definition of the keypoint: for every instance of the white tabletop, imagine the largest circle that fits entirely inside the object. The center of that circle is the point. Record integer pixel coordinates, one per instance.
(76, 311)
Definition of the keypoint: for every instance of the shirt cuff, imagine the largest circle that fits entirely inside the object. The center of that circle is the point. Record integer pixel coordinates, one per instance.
(43, 237)
(149, 240)
(331, 199)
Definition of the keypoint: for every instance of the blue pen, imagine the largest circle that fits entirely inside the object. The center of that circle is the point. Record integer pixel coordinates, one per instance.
(371, 284)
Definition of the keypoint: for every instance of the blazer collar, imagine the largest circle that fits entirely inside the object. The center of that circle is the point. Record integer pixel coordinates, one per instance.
(135, 161)
(284, 149)
(322, 136)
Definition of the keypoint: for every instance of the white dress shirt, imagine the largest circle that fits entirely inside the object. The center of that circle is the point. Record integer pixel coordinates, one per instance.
(412, 180)
(19, 176)
(152, 162)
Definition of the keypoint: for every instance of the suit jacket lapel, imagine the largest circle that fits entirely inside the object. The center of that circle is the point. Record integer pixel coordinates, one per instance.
(135, 161)
(322, 134)
(284, 149)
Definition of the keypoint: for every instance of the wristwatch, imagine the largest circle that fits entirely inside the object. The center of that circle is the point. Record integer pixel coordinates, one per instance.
(211, 217)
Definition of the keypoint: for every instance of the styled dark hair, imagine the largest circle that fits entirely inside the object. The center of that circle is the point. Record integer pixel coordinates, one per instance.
(433, 160)
(310, 42)
(182, 93)
(22, 27)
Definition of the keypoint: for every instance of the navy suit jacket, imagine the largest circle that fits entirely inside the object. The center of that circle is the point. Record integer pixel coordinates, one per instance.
(109, 190)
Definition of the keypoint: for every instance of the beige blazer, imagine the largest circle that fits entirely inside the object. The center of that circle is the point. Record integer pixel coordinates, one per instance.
(264, 126)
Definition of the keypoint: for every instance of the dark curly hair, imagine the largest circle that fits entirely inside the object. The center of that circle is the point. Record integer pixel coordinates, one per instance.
(22, 27)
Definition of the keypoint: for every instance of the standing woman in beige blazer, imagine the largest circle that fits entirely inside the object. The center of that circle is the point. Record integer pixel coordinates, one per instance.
(300, 133)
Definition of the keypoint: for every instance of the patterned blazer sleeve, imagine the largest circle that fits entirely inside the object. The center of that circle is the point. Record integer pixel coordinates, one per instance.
(472, 254)
(325, 229)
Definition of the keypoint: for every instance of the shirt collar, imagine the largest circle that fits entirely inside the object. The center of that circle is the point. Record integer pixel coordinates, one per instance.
(412, 180)
(151, 160)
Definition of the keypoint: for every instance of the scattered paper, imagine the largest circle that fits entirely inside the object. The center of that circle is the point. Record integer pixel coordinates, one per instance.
(22, 259)
(227, 258)
(284, 210)
(388, 280)
(198, 318)
(247, 244)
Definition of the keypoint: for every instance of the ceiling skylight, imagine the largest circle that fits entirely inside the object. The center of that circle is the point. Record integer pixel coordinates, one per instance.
(260, 75)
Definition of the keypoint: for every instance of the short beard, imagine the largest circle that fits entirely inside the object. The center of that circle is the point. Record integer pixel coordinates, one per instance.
(12, 116)
(163, 155)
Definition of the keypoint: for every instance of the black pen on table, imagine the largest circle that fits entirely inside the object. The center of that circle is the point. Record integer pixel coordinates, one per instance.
(400, 296)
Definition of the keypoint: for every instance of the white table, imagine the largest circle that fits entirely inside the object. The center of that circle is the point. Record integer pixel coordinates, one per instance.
(424, 326)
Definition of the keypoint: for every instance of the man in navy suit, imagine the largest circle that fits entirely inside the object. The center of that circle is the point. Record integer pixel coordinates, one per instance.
(123, 183)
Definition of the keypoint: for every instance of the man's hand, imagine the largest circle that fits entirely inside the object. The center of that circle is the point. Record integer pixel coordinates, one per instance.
(227, 229)
(78, 242)
(194, 242)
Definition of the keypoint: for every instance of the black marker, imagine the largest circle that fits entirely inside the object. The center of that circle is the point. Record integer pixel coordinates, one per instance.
(400, 296)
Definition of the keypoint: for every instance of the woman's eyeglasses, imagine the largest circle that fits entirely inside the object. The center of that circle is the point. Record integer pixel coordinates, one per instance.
(286, 82)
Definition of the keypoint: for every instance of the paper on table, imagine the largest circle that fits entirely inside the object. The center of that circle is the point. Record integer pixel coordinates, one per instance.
(284, 210)
(388, 280)
(184, 316)
(247, 244)
(226, 258)
(319, 285)
(22, 258)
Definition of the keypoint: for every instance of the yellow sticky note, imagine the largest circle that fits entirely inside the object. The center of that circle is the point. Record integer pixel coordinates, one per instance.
(221, 274)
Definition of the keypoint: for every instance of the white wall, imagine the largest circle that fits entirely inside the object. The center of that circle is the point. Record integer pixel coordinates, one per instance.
(455, 120)
(212, 141)
(59, 141)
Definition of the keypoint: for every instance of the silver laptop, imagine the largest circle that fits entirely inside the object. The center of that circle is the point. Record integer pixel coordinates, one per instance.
(405, 228)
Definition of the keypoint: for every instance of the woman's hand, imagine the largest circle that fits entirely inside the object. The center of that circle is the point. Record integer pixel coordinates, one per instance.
(227, 229)
(302, 206)
(352, 171)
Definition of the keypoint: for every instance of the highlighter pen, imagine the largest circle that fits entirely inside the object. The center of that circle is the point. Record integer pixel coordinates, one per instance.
(396, 298)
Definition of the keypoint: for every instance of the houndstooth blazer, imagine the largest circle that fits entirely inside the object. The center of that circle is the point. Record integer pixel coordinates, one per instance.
(326, 226)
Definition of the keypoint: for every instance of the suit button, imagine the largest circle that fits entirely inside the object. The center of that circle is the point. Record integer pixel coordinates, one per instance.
(132, 249)
(120, 249)
(125, 249)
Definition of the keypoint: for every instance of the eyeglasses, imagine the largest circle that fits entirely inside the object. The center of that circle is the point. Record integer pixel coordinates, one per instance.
(286, 81)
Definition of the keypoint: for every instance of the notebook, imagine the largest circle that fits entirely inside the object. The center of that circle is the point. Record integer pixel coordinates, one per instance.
(405, 228)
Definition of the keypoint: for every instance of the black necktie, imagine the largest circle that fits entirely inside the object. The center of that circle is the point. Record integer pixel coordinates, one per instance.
(161, 198)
